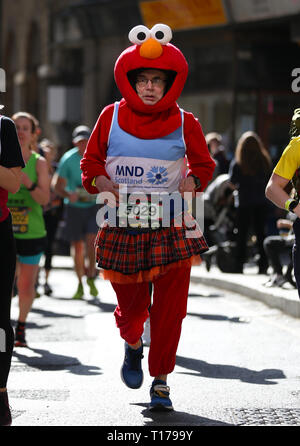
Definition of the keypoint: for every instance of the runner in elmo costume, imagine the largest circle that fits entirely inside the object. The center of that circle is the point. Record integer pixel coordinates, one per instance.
(142, 143)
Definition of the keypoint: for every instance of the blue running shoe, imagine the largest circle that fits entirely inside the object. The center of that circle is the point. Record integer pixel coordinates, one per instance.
(131, 371)
(160, 396)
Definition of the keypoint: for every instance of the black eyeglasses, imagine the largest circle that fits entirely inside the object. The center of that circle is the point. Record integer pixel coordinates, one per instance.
(156, 81)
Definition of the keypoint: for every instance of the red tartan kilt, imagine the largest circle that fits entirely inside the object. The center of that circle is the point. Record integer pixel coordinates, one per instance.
(119, 250)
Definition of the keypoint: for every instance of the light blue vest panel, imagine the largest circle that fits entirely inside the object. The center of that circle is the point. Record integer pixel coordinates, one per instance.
(145, 165)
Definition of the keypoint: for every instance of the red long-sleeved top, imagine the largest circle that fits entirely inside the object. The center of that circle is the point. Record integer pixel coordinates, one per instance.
(92, 164)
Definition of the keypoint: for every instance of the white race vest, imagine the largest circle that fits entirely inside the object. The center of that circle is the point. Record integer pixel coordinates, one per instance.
(145, 165)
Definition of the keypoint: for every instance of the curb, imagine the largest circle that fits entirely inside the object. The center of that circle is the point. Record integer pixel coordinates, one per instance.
(290, 306)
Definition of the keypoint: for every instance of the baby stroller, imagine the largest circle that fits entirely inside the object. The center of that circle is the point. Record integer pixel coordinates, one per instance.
(219, 224)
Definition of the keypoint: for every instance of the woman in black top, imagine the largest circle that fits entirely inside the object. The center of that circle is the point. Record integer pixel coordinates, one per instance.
(249, 173)
(11, 164)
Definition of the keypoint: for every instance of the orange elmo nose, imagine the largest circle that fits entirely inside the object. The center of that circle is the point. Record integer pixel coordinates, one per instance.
(151, 49)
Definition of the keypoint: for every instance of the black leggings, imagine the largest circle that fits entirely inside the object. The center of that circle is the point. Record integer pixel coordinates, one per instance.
(7, 274)
(254, 216)
(51, 218)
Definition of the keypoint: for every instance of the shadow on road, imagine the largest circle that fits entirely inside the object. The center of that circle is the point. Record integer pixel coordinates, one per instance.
(53, 314)
(32, 325)
(103, 306)
(222, 371)
(175, 418)
(217, 317)
(45, 360)
(209, 295)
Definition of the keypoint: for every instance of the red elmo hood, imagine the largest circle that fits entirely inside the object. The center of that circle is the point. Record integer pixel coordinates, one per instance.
(171, 58)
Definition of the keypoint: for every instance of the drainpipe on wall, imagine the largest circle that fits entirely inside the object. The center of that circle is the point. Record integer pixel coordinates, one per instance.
(230, 18)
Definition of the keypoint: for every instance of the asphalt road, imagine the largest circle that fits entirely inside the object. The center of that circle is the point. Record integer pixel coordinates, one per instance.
(236, 364)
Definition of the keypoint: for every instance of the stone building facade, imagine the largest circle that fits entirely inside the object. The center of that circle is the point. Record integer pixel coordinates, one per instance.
(52, 68)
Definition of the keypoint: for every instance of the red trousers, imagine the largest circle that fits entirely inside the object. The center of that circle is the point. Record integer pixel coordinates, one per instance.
(166, 315)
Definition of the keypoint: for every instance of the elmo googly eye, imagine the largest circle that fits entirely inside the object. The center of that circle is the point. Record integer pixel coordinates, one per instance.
(139, 34)
(162, 33)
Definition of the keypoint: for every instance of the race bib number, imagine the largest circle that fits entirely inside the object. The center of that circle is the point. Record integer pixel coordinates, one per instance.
(139, 213)
(20, 219)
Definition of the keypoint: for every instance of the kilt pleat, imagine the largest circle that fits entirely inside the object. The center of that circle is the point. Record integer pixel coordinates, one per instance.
(122, 251)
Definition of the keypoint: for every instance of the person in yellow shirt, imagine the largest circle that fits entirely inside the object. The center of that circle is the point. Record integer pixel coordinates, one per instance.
(286, 170)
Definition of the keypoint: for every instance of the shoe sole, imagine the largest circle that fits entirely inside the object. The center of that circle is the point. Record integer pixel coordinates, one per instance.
(20, 344)
(131, 387)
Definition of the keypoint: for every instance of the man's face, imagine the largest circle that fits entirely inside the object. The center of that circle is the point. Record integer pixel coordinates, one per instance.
(150, 86)
(214, 146)
(82, 145)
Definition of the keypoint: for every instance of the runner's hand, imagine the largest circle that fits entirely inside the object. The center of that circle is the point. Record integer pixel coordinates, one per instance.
(26, 180)
(73, 197)
(103, 184)
(187, 185)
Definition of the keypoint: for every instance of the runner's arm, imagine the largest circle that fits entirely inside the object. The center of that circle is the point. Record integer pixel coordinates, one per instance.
(59, 185)
(200, 162)
(275, 192)
(10, 178)
(11, 157)
(41, 193)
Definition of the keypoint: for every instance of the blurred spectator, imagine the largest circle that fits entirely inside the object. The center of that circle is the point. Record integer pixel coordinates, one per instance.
(279, 251)
(217, 151)
(80, 211)
(249, 172)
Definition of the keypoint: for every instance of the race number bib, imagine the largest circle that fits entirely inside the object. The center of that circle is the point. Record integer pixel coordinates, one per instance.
(20, 219)
(139, 211)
